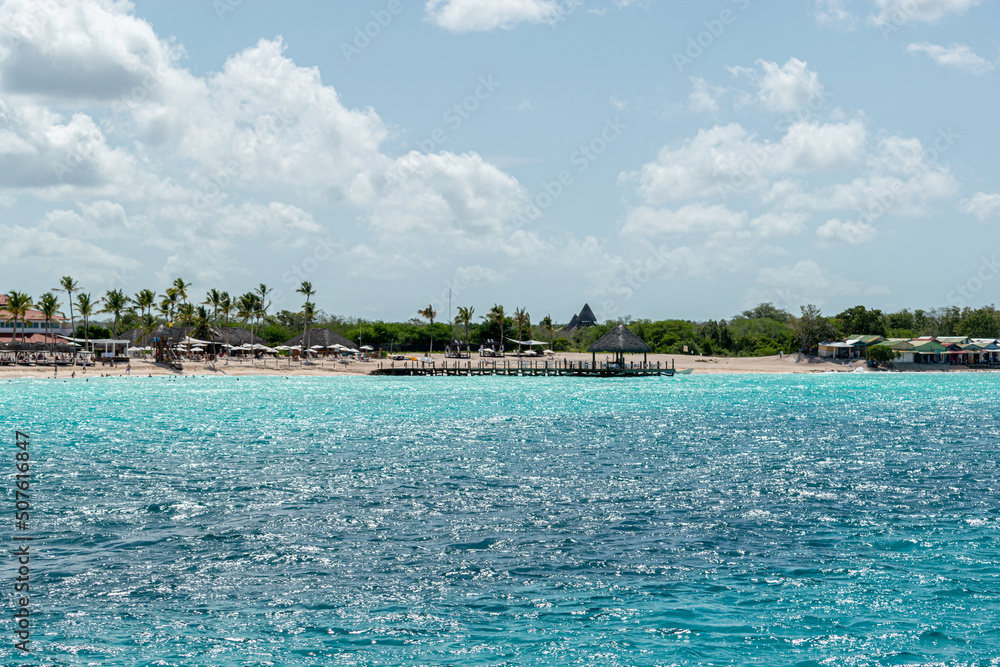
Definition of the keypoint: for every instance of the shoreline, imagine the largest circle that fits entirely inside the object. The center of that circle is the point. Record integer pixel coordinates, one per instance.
(788, 364)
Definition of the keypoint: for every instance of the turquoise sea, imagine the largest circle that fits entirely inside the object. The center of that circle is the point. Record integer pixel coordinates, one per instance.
(838, 519)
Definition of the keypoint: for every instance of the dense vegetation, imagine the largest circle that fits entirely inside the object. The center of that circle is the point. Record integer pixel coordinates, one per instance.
(761, 331)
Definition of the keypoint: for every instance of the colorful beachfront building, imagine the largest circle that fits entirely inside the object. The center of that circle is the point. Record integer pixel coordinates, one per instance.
(32, 327)
(852, 347)
(924, 350)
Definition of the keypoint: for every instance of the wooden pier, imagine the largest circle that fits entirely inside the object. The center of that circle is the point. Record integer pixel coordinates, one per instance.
(521, 368)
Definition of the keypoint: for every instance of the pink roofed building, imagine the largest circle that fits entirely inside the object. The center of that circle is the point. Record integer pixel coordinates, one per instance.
(32, 327)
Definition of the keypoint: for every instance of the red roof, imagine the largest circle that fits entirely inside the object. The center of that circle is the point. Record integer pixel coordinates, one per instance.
(30, 338)
(32, 315)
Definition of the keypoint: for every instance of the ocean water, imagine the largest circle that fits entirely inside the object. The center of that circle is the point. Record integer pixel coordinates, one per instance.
(837, 519)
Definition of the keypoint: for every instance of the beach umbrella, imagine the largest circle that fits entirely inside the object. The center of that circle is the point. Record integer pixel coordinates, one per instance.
(316, 347)
(367, 347)
(194, 341)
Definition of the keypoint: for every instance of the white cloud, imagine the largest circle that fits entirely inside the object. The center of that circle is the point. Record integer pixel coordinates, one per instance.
(525, 105)
(42, 151)
(898, 178)
(777, 225)
(621, 105)
(485, 15)
(94, 220)
(25, 249)
(804, 282)
(835, 13)
(787, 87)
(200, 151)
(645, 221)
(79, 49)
(728, 157)
(782, 88)
(277, 222)
(477, 276)
(704, 97)
(959, 56)
(982, 205)
(900, 12)
(854, 232)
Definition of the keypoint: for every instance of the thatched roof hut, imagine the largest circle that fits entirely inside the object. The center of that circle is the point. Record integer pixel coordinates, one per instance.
(322, 336)
(237, 336)
(620, 341)
(173, 335)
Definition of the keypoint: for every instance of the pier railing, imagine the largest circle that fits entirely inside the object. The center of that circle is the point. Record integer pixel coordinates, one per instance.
(524, 367)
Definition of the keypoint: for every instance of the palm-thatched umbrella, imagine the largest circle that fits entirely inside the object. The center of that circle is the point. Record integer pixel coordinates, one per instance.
(619, 341)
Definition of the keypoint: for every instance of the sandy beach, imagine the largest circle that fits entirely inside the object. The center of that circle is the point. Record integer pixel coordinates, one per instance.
(329, 367)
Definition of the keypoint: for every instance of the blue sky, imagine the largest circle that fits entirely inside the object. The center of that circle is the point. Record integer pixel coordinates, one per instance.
(655, 159)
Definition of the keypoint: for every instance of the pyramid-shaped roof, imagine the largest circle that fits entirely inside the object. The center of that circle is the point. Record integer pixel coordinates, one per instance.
(587, 317)
(620, 339)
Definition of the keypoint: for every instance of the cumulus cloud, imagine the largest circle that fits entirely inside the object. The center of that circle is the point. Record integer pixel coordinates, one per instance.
(647, 221)
(43, 151)
(958, 56)
(835, 13)
(777, 225)
(89, 50)
(729, 157)
(704, 97)
(804, 282)
(25, 249)
(783, 88)
(982, 205)
(486, 15)
(924, 11)
(197, 153)
(853, 232)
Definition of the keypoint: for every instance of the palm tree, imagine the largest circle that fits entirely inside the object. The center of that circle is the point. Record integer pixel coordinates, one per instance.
(115, 302)
(213, 299)
(49, 306)
(167, 306)
(201, 321)
(180, 289)
(68, 285)
(263, 304)
(145, 299)
(429, 313)
(465, 318)
(308, 311)
(523, 319)
(86, 308)
(226, 308)
(496, 315)
(186, 313)
(246, 307)
(18, 304)
(166, 309)
(550, 329)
